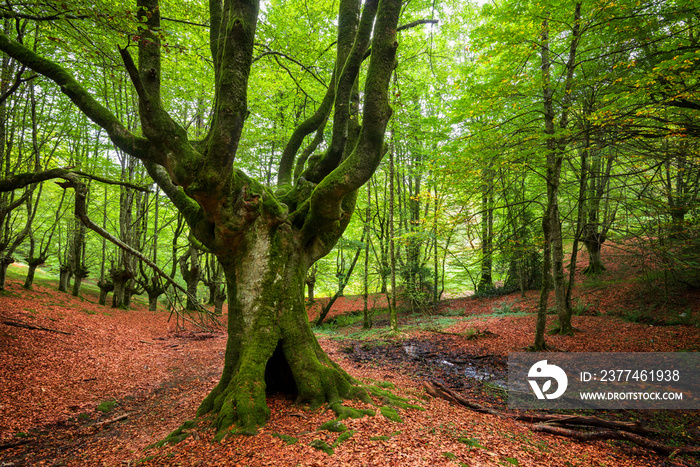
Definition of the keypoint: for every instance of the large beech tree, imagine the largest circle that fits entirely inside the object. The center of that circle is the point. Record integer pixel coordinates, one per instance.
(265, 241)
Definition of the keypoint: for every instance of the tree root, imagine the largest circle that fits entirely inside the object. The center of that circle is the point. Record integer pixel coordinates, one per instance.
(617, 434)
(556, 424)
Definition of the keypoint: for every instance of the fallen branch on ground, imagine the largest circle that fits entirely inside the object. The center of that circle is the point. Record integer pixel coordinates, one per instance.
(22, 324)
(592, 420)
(617, 434)
(14, 444)
(100, 425)
(552, 424)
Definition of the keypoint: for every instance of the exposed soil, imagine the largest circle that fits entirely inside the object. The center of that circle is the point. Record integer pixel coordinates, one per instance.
(51, 385)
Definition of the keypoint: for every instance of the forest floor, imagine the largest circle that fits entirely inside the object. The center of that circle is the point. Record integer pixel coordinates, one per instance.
(94, 386)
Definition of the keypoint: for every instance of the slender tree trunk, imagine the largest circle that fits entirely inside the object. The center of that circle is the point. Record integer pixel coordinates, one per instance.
(366, 318)
(563, 311)
(393, 317)
(555, 157)
(580, 218)
(594, 232)
(436, 263)
(544, 291)
(486, 279)
(341, 286)
(310, 285)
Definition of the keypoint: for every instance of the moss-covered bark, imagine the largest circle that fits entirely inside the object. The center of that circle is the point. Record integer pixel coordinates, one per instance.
(593, 244)
(270, 347)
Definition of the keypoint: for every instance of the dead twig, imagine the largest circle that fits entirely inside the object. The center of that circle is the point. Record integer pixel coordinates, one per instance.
(104, 423)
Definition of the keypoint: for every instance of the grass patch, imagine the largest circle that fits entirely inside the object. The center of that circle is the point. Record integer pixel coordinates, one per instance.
(106, 406)
(176, 436)
(581, 308)
(471, 442)
(505, 308)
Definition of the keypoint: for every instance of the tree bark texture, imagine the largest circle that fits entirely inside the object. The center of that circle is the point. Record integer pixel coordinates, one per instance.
(271, 346)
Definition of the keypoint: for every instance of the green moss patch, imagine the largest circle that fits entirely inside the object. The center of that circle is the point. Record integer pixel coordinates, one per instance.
(106, 406)
(471, 442)
(391, 413)
(176, 436)
(348, 412)
(387, 398)
(344, 437)
(334, 425)
(289, 440)
(321, 446)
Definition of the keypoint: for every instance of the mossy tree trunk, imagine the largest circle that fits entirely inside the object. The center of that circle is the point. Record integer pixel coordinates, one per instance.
(219, 300)
(154, 288)
(5, 262)
(271, 346)
(265, 240)
(33, 264)
(310, 285)
(131, 290)
(594, 243)
(599, 216)
(120, 279)
(555, 150)
(487, 234)
(105, 286)
(64, 277)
